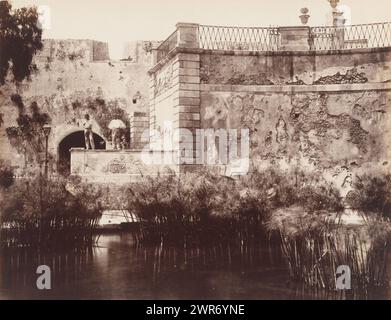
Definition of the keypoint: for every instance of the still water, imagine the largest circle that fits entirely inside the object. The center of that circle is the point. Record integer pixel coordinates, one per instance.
(117, 269)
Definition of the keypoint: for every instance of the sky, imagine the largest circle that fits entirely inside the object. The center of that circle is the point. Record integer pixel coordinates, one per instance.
(118, 21)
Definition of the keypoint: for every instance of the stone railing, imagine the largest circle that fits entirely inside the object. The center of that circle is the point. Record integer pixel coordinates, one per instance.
(185, 35)
(238, 38)
(375, 35)
(255, 39)
(167, 45)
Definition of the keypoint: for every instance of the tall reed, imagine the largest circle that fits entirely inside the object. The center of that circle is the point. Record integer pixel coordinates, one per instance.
(205, 207)
(44, 213)
(316, 244)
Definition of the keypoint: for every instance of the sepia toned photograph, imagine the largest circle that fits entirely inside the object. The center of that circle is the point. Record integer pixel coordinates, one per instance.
(200, 151)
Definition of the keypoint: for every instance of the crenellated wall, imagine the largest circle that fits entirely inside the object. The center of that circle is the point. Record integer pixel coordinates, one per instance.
(76, 77)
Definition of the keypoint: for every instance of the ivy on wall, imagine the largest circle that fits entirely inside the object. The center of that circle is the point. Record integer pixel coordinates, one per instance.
(28, 137)
(102, 112)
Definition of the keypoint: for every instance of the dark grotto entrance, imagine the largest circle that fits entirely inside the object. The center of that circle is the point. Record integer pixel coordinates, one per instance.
(74, 140)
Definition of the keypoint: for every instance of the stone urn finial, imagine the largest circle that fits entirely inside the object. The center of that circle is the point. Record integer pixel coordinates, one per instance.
(333, 3)
(304, 15)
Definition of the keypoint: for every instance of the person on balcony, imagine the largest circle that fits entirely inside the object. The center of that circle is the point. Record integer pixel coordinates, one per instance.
(124, 143)
(116, 126)
(88, 134)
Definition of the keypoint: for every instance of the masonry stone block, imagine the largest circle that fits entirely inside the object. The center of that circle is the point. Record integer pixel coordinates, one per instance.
(189, 64)
(189, 116)
(189, 72)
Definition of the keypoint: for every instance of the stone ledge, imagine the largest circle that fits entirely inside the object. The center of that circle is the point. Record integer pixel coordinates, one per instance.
(295, 52)
(186, 87)
(121, 179)
(297, 88)
(187, 94)
(177, 50)
(82, 150)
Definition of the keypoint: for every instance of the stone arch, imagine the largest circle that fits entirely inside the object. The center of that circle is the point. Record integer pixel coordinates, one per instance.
(63, 130)
(74, 139)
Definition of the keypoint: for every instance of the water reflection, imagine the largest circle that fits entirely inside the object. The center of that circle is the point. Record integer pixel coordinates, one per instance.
(116, 268)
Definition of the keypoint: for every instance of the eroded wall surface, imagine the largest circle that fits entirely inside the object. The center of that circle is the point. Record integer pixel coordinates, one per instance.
(311, 68)
(326, 112)
(162, 113)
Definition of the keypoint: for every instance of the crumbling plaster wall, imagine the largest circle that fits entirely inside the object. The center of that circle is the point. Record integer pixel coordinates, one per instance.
(326, 129)
(298, 69)
(319, 112)
(163, 89)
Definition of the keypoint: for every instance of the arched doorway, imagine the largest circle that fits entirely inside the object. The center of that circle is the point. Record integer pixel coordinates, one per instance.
(74, 140)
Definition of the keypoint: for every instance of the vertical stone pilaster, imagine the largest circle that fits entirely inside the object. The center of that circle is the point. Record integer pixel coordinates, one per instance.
(187, 103)
(175, 89)
(139, 123)
(187, 35)
(152, 106)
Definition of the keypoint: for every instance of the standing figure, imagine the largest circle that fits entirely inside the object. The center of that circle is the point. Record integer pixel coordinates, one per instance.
(88, 134)
(116, 127)
(116, 138)
(123, 142)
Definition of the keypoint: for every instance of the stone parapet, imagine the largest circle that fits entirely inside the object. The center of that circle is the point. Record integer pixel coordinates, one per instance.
(294, 38)
(119, 166)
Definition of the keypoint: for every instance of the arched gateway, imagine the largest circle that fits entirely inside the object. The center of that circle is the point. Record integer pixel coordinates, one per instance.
(74, 140)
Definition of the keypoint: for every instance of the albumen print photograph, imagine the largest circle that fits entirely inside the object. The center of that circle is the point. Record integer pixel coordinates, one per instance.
(195, 150)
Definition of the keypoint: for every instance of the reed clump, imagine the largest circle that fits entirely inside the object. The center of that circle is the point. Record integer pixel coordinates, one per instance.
(371, 195)
(303, 211)
(317, 243)
(181, 209)
(205, 207)
(47, 213)
(200, 208)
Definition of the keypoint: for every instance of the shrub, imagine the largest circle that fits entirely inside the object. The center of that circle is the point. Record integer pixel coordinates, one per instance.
(6, 176)
(372, 195)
